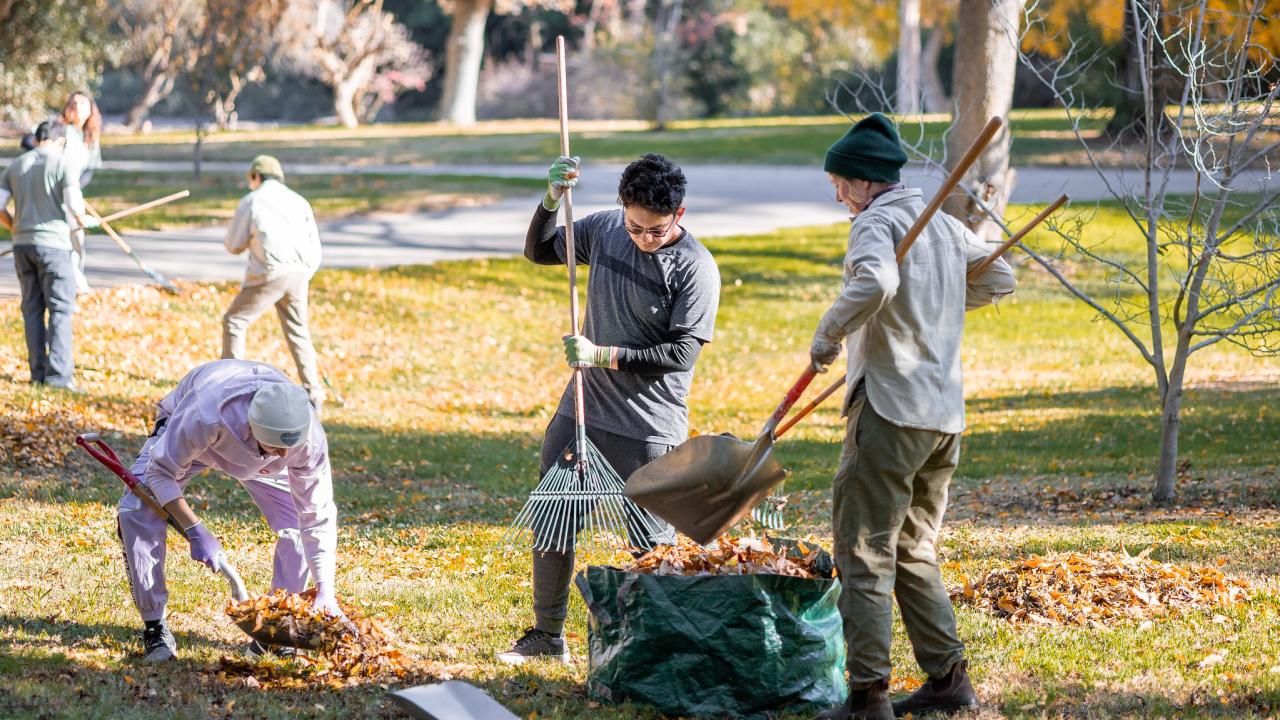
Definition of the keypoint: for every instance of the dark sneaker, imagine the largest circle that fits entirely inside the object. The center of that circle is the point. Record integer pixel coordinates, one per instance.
(948, 694)
(869, 703)
(256, 650)
(158, 644)
(535, 645)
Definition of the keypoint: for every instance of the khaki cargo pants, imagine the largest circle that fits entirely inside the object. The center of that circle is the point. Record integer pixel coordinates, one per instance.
(889, 495)
(288, 293)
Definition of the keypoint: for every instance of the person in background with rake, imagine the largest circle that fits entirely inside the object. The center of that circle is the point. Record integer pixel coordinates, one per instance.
(276, 226)
(45, 194)
(652, 299)
(250, 421)
(905, 410)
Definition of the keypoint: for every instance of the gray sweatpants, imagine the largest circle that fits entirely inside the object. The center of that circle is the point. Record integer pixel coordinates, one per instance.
(288, 293)
(553, 571)
(889, 496)
(48, 284)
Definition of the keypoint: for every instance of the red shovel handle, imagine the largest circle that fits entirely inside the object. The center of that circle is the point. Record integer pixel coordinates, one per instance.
(103, 453)
(793, 395)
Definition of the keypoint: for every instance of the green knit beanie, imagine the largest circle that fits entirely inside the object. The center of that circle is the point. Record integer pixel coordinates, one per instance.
(868, 151)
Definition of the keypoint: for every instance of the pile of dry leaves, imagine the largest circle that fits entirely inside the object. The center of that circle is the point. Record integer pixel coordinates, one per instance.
(1085, 588)
(729, 556)
(359, 648)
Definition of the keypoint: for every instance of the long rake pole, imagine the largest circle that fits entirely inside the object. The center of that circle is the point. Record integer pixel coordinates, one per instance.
(571, 259)
(161, 280)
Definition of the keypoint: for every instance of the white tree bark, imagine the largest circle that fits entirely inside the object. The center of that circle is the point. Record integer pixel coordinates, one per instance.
(982, 85)
(907, 99)
(462, 61)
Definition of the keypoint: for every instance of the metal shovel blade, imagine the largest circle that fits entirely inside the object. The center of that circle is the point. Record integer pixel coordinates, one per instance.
(450, 700)
(275, 635)
(708, 483)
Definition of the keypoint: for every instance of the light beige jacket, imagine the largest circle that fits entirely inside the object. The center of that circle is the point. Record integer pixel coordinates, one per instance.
(903, 324)
(276, 226)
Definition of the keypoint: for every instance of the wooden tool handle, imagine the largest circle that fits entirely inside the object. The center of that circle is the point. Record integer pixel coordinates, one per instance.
(107, 229)
(948, 184)
(1016, 238)
(571, 258)
(813, 405)
(792, 396)
(146, 206)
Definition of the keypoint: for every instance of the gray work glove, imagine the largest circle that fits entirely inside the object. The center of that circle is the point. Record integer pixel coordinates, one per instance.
(823, 352)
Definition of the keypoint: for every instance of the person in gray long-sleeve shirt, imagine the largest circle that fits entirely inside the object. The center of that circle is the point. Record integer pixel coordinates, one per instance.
(905, 412)
(651, 305)
(45, 194)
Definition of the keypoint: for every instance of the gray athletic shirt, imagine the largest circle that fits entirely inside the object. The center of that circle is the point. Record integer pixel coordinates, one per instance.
(637, 299)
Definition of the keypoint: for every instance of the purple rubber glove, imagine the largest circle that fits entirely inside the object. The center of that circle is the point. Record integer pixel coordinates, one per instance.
(205, 548)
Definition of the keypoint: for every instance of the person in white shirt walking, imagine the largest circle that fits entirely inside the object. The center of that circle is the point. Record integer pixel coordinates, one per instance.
(277, 228)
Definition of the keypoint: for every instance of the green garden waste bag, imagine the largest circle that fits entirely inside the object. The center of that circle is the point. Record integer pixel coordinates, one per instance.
(736, 645)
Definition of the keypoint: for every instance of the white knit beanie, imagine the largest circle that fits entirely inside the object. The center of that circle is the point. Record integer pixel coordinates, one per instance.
(280, 415)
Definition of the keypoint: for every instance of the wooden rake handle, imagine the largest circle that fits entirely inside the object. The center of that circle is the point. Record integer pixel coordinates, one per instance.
(974, 272)
(106, 227)
(145, 206)
(949, 183)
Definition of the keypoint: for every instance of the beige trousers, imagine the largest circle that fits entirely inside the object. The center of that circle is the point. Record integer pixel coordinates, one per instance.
(288, 293)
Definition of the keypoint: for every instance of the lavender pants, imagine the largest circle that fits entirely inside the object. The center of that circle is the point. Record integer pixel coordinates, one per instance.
(143, 534)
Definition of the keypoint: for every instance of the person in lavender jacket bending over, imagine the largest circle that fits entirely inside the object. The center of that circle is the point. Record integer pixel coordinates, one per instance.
(250, 421)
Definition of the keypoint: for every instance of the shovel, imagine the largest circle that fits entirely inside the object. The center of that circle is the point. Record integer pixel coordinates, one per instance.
(709, 482)
(98, 448)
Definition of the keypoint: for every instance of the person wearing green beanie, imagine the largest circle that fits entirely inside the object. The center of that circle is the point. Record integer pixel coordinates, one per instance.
(904, 406)
(277, 229)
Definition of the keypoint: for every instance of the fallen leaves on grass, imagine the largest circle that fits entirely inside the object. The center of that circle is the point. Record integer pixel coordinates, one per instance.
(359, 648)
(37, 436)
(1086, 588)
(728, 556)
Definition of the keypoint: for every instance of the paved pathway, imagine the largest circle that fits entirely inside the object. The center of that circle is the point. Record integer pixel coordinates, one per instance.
(723, 200)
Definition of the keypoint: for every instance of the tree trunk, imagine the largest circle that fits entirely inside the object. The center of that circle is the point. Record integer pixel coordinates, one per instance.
(986, 58)
(664, 61)
(462, 61)
(907, 98)
(158, 88)
(1129, 123)
(344, 102)
(1170, 415)
(935, 95)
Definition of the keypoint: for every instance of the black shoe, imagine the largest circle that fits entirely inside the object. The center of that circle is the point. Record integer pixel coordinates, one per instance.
(868, 703)
(950, 693)
(158, 644)
(536, 644)
(255, 650)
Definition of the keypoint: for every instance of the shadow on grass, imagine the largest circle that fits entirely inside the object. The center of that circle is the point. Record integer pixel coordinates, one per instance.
(1139, 704)
(427, 478)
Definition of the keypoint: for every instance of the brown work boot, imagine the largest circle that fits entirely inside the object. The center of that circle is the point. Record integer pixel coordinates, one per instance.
(951, 693)
(868, 703)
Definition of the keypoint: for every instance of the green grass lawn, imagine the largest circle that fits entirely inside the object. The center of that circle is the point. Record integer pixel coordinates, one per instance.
(214, 198)
(450, 373)
(1042, 137)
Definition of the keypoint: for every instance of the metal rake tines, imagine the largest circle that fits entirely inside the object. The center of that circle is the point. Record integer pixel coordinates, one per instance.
(769, 512)
(567, 503)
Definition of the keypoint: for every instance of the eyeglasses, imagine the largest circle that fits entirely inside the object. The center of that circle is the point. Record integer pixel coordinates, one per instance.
(635, 230)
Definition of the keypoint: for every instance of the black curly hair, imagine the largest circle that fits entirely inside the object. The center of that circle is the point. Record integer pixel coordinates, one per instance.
(653, 183)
